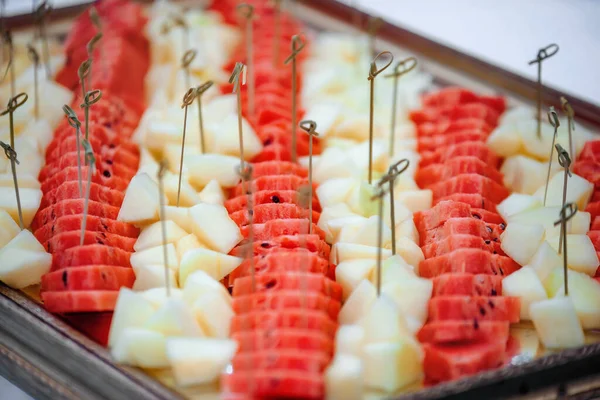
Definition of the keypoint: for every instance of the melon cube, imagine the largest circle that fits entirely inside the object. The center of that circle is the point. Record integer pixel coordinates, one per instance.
(557, 323)
(582, 256)
(140, 348)
(349, 340)
(213, 226)
(392, 365)
(152, 235)
(358, 304)
(526, 285)
(516, 247)
(351, 272)
(344, 378)
(384, 322)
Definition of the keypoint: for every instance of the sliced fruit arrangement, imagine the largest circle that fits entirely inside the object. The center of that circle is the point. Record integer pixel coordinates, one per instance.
(463, 236)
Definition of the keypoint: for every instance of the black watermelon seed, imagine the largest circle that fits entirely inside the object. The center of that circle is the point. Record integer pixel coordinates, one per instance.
(268, 142)
(495, 239)
(64, 278)
(103, 275)
(271, 284)
(502, 226)
(99, 241)
(265, 245)
(491, 304)
(488, 241)
(112, 146)
(275, 199)
(109, 162)
(482, 311)
(106, 173)
(476, 215)
(494, 293)
(501, 272)
(490, 230)
(475, 324)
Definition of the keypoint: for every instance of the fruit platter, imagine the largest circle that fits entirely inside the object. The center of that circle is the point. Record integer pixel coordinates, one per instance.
(288, 200)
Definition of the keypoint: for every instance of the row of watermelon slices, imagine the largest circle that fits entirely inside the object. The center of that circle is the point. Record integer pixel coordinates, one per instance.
(86, 278)
(588, 167)
(468, 325)
(285, 323)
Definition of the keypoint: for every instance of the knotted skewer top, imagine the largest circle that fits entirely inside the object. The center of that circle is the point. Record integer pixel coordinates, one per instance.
(553, 118)
(188, 57)
(188, 97)
(91, 98)
(563, 158)
(203, 88)
(10, 153)
(403, 67)
(71, 117)
(14, 103)
(297, 45)
(373, 71)
(545, 52)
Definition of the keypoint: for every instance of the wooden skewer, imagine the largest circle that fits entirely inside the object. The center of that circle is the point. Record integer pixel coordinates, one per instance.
(14, 103)
(567, 212)
(305, 202)
(163, 166)
(565, 161)
(188, 98)
(394, 171)
(95, 18)
(553, 118)
(543, 53)
(75, 123)
(42, 11)
(244, 170)
(90, 161)
(90, 50)
(373, 26)
(11, 62)
(237, 80)
(35, 59)
(199, 92)
(297, 45)
(90, 98)
(571, 122)
(246, 11)
(402, 67)
(373, 72)
(310, 128)
(277, 38)
(380, 194)
(186, 60)
(11, 154)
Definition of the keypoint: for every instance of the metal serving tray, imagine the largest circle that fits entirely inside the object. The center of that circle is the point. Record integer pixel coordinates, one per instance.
(50, 360)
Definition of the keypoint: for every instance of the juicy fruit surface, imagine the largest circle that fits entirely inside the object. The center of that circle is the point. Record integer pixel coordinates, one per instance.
(278, 227)
(467, 284)
(312, 243)
(457, 331)
(458, 241)
(285, 299)
(275, 384)
(67, 240)
(80, 301)
(69, 207)
(266, 212)
(307, 361)
(240, 202)
(275, 282)
(287, 318)
(91, 254)
(481, 308)
(95, 277)
(93, 223)
(470, 261)
(284, 338)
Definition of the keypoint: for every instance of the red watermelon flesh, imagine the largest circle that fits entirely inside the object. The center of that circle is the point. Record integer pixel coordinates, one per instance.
(273, 152)
(595, 238)
(453, 361)
(274, 384)
(448, 97)
(286, 299)
(470, 183)
(283, 338)
(278, 227)
(312, 243)
(446, 332)
(278, 281)
(448, 126)
(291, 261)
(431, 143)
(312, 362)
(593, 208)
(93, 223)
(461, 226)
(480, 308)
(301, 318)
(458, 241)
(595, 194)
(278, 168)
(469, 261)
(70, 160)
(439, 214)
(70, 190)
(69, 207)
(91, 254)
(80, 301)
(70, 174)
(66, 240)
(475, 200)
(265, 197)
(488, 216)
(595, 224)
(435, 173)
(57, 148)
(591, 151)
(461, 111)
(94, 277)
(267, 212)
(467, 284)
(588, 169)
(95, 325)
(474, 149)
(275, 182)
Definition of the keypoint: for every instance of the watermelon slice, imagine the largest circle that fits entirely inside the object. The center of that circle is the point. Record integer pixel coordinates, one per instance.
(274, 384)
(289, 280)
(448, 126)
(95, 277)
(266, 197)
(268, 168)
(273, 152)
(458, 241)
(448, 97)
(287, 318)
(297, 261)
(67, 175)
(445, 332)
(435, 173)
(80, 301)
(595, 224)
(431, 143)
(282, 338)
(93, 223)
(594, 209)
(467, 284)
(588, 169)
(479, 308)
(591, 151)
(70, 160)
(66, 240)
(91, 254)
(278, 227)
(462, 226)
(94, 325)
(595, 238)
(56, 149)
(470, 183)
(275, 182)
(65, 208)
(475, 200)
(312, 243)
(469, 261)
(474, 149)
(286, 299)
(439, 214)
(312, 362)
(70, 190)
(448, 362)
(267, 212)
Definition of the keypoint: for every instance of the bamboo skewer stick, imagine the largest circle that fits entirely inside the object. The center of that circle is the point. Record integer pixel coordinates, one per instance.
(402, 67)
(553, 118)
(542, 54)
(297, 46)
(11, 154)
(163, 166)
(90, 161)
(188, 99)
(310, 128)
(246, 11)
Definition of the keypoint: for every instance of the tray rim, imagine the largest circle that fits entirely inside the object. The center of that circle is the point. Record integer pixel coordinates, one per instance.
(565, 366)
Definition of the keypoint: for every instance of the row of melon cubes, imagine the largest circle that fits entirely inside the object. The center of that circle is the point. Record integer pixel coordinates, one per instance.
(460, 235)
